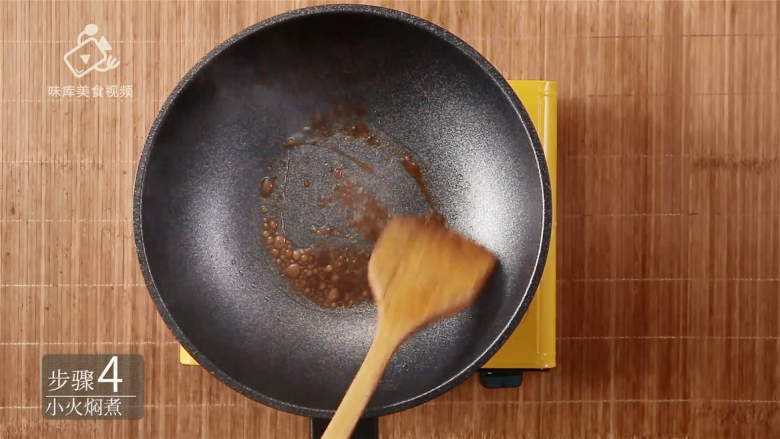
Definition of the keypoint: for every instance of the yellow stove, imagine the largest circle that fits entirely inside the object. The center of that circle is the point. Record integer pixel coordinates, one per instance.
(532, 346)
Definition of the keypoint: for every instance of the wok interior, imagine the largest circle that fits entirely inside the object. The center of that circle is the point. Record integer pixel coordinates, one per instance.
(225, 132)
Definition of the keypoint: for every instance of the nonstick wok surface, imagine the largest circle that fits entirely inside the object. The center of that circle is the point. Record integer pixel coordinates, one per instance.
(198, 202)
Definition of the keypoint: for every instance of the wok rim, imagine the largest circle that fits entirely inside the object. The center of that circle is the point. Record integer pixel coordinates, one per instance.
(523, 118)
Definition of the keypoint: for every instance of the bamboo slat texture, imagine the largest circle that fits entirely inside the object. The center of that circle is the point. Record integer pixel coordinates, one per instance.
(669, 248)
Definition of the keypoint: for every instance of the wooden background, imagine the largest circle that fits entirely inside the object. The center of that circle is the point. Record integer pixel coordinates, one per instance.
(669, 258)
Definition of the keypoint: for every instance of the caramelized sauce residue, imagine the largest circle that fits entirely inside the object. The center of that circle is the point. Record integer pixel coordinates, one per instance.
(338, 172)
(324, 231)
(365, 215)
(363, 165)
(345, 120)
(330, 276)
(267, 186)
(335, 276)
(413, 169)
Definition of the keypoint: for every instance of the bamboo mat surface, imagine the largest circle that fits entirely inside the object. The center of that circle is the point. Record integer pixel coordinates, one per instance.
(669, 249)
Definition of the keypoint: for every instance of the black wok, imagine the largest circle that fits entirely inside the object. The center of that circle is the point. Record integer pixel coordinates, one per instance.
(356, 87)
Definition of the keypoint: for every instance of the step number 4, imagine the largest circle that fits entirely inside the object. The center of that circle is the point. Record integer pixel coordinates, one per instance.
(112, 364)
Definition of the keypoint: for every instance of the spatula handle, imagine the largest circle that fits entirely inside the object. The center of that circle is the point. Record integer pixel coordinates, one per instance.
(363, 386)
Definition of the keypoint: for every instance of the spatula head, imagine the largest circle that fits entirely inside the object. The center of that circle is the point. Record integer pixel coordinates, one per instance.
(421, 271)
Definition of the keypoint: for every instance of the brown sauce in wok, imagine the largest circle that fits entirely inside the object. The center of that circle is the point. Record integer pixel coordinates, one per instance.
(331, 275)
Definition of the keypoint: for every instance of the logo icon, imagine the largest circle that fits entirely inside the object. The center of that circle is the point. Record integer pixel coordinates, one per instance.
(90, 54)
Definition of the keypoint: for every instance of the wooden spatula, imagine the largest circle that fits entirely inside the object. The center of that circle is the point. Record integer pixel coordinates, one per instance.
(419, 272)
